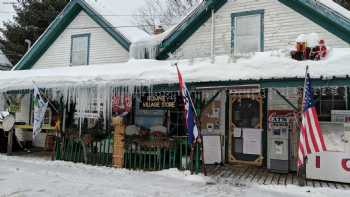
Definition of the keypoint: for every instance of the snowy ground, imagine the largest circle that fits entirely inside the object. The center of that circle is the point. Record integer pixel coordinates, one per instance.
(29, 177)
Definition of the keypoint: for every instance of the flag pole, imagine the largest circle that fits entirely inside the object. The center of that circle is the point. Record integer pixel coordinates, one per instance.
(306, 72)
(47, 99)
(200, 137)
(299, 174)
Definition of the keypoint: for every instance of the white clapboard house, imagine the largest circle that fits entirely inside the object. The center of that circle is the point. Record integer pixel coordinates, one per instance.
(219, 27)
(84, 33)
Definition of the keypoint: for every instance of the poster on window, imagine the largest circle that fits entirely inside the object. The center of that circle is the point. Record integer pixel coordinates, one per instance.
(121, 104)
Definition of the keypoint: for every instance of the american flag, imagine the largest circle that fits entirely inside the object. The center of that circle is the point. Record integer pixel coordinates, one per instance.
(311, 137)
(190, 117)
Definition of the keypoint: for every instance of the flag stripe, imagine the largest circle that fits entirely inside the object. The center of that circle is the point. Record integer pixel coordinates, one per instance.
(302, 146)
(308, 137)
(311, 132)
(304, 135)
(320, 134)
(314, 129)
(301, 151)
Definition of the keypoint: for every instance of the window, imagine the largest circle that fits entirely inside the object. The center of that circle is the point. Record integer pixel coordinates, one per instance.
(80, 49)
(328, 99)
(247, 32)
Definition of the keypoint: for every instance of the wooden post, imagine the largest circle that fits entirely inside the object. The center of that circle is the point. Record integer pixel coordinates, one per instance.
(10, 142)
(118, 142)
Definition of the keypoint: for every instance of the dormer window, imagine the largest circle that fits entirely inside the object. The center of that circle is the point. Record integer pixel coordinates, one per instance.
(80, 49)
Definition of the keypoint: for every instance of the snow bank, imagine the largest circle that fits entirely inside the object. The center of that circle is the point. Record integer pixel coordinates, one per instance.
(185, 175)
(29, 177)
(291, 191)
(263, 65)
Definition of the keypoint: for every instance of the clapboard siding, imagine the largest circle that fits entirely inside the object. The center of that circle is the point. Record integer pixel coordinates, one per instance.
(281, 27)
(103, 48)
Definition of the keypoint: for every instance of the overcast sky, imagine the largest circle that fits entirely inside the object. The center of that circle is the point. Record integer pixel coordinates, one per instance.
(6, 11)
(128, 7)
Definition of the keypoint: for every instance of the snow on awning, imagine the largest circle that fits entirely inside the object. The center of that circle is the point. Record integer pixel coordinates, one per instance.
(263, 65)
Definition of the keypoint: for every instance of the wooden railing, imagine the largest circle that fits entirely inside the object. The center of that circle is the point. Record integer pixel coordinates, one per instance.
(176, 154)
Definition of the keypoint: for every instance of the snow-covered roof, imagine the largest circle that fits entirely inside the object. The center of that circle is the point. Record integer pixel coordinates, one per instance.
(336, 7)
(263, 65)
(119, 14)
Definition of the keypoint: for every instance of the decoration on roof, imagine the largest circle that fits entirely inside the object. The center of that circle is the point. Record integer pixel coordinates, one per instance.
(309, 47)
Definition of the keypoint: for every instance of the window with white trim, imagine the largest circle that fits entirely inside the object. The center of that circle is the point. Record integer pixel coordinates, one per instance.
(247, 32)
(80, 49)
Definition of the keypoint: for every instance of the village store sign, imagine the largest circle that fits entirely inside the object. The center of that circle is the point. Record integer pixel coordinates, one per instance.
(158, 101)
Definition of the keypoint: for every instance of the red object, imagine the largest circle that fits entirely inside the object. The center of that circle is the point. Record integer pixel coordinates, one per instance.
(127, 103)
(318, 162)
(321, 50)
(344, 164)
(115, 104)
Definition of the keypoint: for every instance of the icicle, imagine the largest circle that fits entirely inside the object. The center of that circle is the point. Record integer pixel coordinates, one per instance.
(144, 49)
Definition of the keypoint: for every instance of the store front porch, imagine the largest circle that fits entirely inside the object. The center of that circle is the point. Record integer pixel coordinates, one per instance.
(245, 174)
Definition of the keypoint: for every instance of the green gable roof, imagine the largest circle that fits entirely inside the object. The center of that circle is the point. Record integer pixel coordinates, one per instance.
(318, 13)
(322, 15)
(188, 27)
(68, 14)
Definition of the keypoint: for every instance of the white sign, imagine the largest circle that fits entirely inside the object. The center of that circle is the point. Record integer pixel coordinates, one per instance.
(212, 149)
(237, 132)
(86, 115)
(329, 166)
(252, 141)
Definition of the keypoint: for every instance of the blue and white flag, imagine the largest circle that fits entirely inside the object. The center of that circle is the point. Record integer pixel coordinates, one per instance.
(40, 107)
(190, 114)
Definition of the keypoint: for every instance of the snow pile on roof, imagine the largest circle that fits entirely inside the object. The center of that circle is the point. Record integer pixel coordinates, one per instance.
(311, 39)
(263, 65)
(336, 7)
(151, 43)
(119, 14)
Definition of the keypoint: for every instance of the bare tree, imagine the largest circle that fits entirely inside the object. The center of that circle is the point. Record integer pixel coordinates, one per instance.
(344, 3)
(162, 12)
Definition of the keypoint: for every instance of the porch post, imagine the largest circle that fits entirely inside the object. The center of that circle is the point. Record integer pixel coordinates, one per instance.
(118, 142)
(10, 141)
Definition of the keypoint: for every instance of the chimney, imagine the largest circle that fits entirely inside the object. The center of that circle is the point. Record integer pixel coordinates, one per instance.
(158, 29)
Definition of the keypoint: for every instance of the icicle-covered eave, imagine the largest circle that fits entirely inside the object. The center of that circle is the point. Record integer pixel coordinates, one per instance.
(132, 73)
(261, 65)
(62, 84)
(144, 49)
